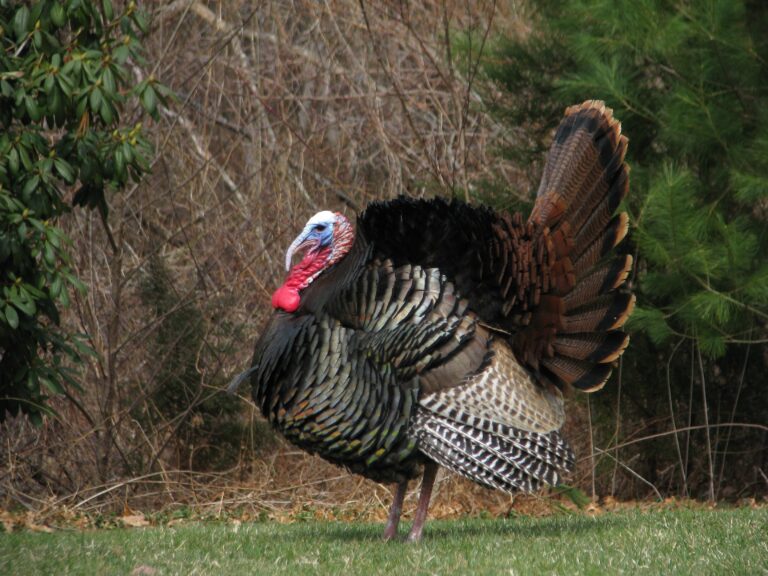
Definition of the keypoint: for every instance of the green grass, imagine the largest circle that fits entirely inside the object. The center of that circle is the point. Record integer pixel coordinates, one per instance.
(661, 542)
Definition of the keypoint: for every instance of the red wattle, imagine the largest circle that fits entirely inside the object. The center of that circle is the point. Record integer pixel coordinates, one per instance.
(286, 298)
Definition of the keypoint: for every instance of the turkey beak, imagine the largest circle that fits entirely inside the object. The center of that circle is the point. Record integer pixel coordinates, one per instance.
(299, 243)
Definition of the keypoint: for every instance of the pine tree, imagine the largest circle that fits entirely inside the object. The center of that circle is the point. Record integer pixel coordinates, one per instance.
(689, 81)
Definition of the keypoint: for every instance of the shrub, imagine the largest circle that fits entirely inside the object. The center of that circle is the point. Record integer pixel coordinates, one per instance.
(65, 83)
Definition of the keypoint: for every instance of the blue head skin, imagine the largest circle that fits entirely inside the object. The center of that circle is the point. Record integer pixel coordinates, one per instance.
(317, 234)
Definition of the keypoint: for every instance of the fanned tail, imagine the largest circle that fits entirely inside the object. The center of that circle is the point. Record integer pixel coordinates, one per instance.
(584, 181)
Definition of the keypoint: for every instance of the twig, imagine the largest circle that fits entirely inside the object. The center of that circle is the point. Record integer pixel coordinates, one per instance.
(683, 471)
(687, 429)
(710, 464)
(591, 448)
(733, 416)
(631, 471)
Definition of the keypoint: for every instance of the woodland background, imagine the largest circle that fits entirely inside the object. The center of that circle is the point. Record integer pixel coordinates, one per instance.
(283, 108)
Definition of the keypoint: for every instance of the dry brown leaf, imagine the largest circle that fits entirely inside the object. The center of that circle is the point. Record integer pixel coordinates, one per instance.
(593, 508)
(8, 520)
(134, 520)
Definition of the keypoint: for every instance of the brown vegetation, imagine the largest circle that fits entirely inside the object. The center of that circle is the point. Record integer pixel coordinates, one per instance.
(284, 109)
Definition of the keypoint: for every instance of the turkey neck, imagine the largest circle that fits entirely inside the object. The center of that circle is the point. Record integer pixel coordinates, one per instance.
(323, 291)
(282, 328)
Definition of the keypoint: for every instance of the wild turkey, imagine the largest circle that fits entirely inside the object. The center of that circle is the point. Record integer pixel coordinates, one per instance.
(442, 333)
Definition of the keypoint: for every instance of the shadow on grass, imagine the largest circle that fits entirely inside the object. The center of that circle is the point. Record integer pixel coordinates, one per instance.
(446, 530)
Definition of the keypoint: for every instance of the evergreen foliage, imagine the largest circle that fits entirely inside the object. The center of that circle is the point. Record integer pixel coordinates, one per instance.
(689, 81)
(208, 429)
(64, 82)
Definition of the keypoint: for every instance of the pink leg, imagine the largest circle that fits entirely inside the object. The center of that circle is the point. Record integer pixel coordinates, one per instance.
(427, 481)
(394, 512)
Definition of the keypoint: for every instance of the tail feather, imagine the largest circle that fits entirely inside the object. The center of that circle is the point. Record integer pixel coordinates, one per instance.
(594, 226)
(587, 150)
(607, 312)
(608, 183)
(600, 280)
(584, 181)
(580, 374)
(612, 236)
(599, 347)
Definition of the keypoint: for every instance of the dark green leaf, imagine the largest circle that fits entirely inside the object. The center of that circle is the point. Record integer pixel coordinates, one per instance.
(120, 54)
(52, 41)
(52, 385)
(76, 282)
(39, 294)
(119, 163)
(149, 99)
(64, 170)
(95, 100)
(13, 161)
(26, 161)
(31, 185)
(574, 495)
(49, 255)
(49, 83)
(64, 297)
(58, 16)
(32, 108)
(109, 13)
(55, 102)
(108, 81)
(141, 21)
(65, 84)
(55, 289)
(25, 305)
(107, 113)
(52, 235)
(11, 316)
(45, 168)
(21, 23)
(82, 105)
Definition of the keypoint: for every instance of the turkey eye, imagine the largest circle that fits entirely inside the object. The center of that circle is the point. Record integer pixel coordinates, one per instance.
(320, 227)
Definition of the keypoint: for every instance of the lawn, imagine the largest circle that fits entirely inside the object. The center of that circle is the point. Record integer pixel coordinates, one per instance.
(632, 542)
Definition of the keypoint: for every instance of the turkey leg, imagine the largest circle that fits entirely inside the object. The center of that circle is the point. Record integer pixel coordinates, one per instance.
(390, 531)
(427, 481)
